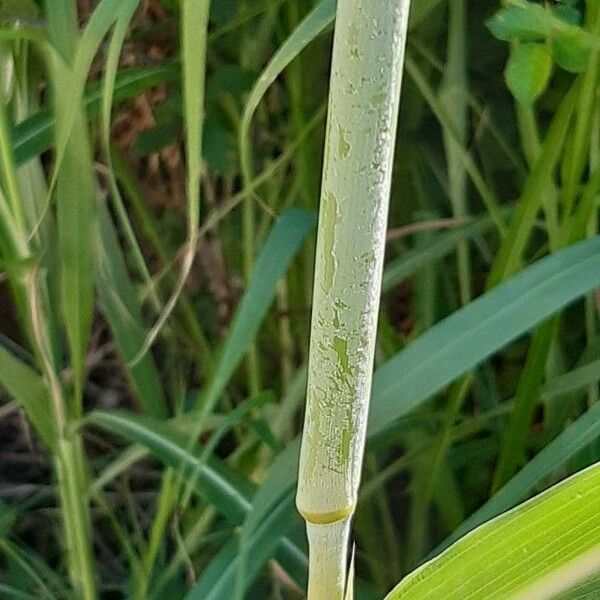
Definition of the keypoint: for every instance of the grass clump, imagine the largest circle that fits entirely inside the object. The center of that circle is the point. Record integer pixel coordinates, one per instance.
(174, 310)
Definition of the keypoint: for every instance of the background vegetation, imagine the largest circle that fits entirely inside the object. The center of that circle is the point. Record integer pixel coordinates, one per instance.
(157, 248)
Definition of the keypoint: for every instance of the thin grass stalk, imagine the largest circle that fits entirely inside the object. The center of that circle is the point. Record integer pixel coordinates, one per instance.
(248, 246)
(367, 63)
(194, 36)
(577, 146)
(74, 186)
(454, 92)
(486, 194)
(75, 201)
(67, 447)
(194, 33)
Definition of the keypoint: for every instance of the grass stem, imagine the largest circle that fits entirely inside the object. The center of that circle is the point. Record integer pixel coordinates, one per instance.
(367, 62)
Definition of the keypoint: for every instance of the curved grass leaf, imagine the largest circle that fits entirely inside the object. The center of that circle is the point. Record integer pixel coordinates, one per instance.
(307, 30)
(194, 33)
(470, 335)
(34, 135)
(565, 446)
(168, 445)
(111, 67)
(218, 582)
(410, 262)
(511, 553)
(282, 244)
(121, 309)
(310, 27)
(30, 391)
(218, 485)
(284, 240)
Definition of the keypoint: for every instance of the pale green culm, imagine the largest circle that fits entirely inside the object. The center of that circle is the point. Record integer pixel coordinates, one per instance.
(364, 96)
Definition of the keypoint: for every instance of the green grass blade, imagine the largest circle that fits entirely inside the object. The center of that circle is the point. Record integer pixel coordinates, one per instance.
(36, 569)
(578, 145)
(30, 391)
(442, 442)
(572, 381)
(218, 581)
(120, 304)
(188, 324)
(28, 567)
(34, 135)
(411, 261)
(454, 92)
(514, 437)
(73, 171)
(284, 241)
(73, 75)
(460, 153)
(229, 494)
(194, 32)
(12, 219)
(8, 174)
(282, 244)
(510, 256)
(75, 194)
(170, 447)
(309, 28)
(112, 63)
(507, 555)
(272, 492)
(421, 11)
(194, 23)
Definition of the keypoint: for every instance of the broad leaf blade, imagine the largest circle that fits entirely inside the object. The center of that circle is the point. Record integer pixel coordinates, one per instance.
(507, 555)
(528, 71)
